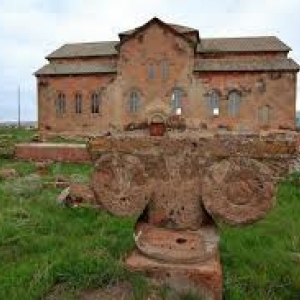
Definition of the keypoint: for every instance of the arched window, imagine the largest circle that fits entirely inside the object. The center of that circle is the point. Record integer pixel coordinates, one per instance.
(151, 71)
(164, 69)
(78, 103)
(134, 101)
(176, 100)
(213, 102)
(60, 104)
(234, 100)
(95, 103)
(264, 115)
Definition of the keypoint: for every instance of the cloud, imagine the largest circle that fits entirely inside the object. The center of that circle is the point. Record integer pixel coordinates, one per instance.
(31, 29)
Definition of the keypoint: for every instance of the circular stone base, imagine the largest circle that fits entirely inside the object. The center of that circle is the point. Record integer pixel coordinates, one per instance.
(177, 246)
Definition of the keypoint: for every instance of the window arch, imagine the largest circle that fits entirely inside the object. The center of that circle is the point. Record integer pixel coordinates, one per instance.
(151, 71)
(164, 69)
(95, 103)
(265, 114)
(60, 104)
(234, 100)
(78, 103)
(176, 99)
(213, 102)
(134, 101)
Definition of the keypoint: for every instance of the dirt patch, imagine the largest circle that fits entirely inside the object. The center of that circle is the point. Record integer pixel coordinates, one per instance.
(57, 292)
(122, 291)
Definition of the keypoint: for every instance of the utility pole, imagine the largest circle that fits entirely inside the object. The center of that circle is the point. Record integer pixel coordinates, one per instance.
(19, 107)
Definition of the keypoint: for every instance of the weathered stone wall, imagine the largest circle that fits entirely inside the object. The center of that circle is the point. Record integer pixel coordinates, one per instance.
(258, 89)
(152, 47)
(52, 152)
(70, 122)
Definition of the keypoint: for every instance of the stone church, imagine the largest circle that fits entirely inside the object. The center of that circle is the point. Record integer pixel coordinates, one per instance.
(160, 72)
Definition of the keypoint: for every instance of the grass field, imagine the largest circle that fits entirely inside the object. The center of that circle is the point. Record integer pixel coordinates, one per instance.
(44, 245)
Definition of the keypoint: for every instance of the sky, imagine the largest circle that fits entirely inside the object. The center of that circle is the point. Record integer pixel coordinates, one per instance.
(31, 29)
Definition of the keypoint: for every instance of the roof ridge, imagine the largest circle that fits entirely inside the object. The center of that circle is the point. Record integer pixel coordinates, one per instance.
(90, 43)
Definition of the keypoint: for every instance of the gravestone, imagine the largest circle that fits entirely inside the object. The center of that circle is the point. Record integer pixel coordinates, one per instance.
(180, 186)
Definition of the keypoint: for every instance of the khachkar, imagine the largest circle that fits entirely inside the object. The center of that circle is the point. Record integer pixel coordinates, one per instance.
(179, 186)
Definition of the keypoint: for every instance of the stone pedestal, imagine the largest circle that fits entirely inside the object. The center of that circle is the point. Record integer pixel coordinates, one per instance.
(204, 278)
(184, 260)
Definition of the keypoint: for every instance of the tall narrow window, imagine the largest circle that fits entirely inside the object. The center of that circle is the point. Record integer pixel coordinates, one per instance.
(234, 100)
(151, 71)
(213, 102)
(95, 103)
(134, 102)
(264, 115)
(78, 103)
(164, 70)
(60, 104)
(176, 100)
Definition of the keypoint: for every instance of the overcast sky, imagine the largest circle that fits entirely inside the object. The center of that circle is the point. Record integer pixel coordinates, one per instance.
(31, 29)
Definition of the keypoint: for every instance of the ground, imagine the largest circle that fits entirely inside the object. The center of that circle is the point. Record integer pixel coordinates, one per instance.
(49, 251)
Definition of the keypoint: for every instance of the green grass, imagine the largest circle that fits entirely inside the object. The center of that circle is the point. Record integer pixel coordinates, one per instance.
(44, 245)
(257, 259)
(9, 137)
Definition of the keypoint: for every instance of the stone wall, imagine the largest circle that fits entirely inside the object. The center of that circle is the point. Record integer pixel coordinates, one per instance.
(152, 47)
(52, 152)
(85, 122)
(257, 89)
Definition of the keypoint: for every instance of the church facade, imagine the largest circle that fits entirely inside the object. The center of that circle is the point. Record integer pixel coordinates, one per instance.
(159, 72)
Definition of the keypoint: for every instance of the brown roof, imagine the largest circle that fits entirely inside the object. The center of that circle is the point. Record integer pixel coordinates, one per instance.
(242, 44)
(256, 64)
(74, 69)
(85, 50)
(177, 27)
(246, 44)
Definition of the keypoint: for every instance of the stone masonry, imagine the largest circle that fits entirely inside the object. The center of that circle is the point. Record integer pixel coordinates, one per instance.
(159, 70)
(179, 186)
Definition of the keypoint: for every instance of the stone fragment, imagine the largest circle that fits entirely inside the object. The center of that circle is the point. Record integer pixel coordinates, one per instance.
(62, 198)
(238, 190)
(8, 173)
(76, 194)
(119, 184)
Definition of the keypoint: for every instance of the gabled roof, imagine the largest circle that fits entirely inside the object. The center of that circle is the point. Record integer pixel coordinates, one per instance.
(239, 65)
(75, 69)
(176, 30)
(206, 45)
(177, 27)
(85, 50)
(242, 44)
